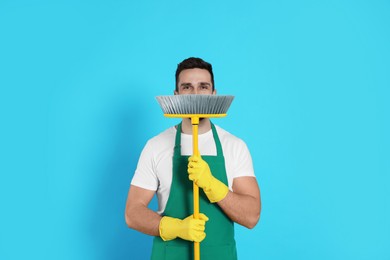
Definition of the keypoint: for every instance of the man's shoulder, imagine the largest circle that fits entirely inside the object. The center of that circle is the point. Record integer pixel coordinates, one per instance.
(233, 146)
(226, 136)
(165, 136)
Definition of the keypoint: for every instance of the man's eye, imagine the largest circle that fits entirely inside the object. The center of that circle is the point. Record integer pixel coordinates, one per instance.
(186, 87)
(204, 87)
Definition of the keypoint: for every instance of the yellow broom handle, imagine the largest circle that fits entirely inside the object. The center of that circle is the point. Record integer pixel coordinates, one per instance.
(195, 124)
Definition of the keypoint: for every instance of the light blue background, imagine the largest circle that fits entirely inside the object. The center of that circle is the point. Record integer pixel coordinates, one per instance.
(311, 80)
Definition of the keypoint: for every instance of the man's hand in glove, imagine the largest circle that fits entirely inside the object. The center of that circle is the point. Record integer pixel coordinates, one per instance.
(199, 172)
(190, 229)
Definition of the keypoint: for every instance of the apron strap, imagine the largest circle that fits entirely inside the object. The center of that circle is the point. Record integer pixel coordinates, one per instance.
(177, 148)
(217, 141)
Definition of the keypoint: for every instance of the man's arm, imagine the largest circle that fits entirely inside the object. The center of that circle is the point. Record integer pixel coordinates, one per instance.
(243, 205)
(137, 214)
(139, 217)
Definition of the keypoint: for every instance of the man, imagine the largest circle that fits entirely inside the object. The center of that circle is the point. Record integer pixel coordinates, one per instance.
(228, 188)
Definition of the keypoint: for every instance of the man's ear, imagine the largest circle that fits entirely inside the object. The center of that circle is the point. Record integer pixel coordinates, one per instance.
(175, 92)
(214, 92)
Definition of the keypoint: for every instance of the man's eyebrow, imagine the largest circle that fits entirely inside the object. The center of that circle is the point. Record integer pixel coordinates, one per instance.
(185, 84)
(205, 83)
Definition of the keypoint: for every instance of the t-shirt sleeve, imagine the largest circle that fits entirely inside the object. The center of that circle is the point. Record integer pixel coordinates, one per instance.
(243, 165)
(145, 174)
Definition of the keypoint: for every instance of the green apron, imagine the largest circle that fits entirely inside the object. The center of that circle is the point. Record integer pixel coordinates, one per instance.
(219, 242)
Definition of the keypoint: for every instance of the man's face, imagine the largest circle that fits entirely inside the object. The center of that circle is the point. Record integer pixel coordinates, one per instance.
(195, 81)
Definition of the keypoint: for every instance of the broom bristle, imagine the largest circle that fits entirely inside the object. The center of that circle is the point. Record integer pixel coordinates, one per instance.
(195, 104)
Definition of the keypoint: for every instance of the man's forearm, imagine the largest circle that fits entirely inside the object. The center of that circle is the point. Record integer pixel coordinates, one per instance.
(143, 219)
(241, 206)
(243, 209)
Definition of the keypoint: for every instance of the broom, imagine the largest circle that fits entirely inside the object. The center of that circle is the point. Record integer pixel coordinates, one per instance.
(195, 107)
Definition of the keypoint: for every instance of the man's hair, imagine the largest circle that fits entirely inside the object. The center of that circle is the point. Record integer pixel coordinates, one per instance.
(194, 63)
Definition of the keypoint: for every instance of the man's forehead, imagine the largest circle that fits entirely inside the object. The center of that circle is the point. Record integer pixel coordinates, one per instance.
(195, 74)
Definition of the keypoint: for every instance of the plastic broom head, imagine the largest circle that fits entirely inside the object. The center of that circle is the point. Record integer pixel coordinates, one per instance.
(195, 104)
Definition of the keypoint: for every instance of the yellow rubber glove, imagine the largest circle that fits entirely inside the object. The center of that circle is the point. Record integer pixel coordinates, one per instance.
(190, 229)
(199, 172)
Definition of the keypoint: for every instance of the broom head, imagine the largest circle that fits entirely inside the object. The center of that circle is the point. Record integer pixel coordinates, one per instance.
(195, 104)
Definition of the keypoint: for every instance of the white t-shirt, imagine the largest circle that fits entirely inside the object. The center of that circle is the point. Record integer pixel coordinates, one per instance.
(154, 169)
